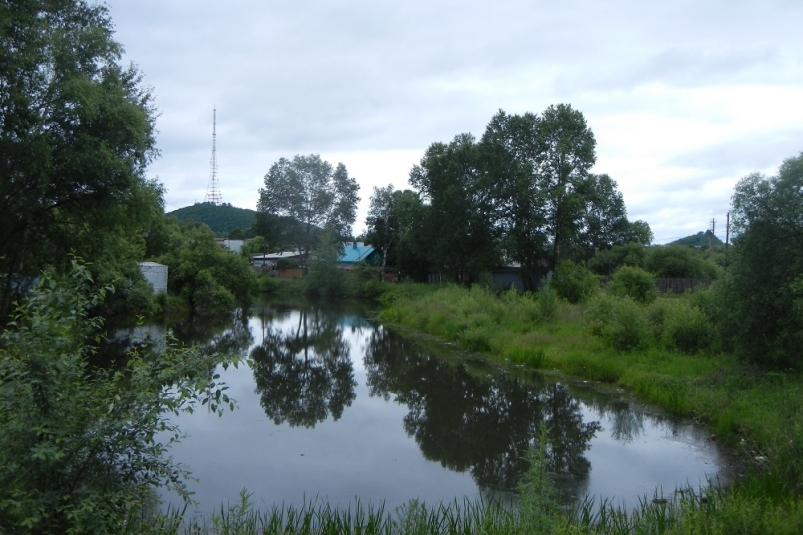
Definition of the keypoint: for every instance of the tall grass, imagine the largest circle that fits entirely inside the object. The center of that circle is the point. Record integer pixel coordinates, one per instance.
(668, 354)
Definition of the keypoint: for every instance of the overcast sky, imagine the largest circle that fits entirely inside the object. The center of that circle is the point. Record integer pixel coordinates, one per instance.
(684, 97)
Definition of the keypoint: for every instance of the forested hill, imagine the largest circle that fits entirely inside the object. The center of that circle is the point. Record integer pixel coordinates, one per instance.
(221, 219)
(701, 239)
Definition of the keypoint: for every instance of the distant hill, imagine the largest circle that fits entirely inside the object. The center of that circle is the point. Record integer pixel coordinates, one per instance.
(221, 219)
(701, 239)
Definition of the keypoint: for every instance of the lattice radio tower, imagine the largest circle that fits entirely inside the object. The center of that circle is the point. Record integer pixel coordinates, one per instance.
(213, 194)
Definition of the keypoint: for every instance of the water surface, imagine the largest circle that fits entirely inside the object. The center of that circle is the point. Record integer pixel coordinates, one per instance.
(339, 408)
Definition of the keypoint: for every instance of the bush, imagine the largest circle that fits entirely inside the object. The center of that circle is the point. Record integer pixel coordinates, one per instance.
(207, 297)
(78, 452)
(547, 300)
(573, 282)
(635, 283)
(325, 277)
(629, 328)
(621, 322)
(680, 262)
(687, 329)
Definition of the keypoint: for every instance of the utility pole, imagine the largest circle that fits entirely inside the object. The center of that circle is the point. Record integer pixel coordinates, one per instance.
(213, 194)
(727, 237)
(711, 236)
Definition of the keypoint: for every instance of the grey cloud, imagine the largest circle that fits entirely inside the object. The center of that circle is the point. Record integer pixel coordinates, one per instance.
(737, 157)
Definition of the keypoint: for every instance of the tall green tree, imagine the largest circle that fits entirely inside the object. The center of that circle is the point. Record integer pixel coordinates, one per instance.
(383, 225)
(510, 156)
(457, 225)
(391, 223)
(76, 134)
(536, 169)
(310, 191)
(764, 287)
(567, 151)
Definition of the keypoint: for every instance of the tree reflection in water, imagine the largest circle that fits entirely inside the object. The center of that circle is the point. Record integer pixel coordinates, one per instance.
(304, 373)
(481, 422)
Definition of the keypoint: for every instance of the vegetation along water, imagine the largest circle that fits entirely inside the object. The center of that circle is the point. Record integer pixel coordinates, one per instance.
(507, 245)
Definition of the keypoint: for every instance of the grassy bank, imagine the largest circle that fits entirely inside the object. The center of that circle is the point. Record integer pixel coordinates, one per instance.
(664, 352)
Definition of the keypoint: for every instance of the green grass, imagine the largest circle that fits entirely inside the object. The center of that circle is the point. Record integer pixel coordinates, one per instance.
(668, 356)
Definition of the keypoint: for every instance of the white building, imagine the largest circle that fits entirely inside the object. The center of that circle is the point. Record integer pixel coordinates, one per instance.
(156, 274)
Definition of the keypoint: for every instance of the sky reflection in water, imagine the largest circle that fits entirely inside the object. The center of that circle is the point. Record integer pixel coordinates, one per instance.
(338, 408)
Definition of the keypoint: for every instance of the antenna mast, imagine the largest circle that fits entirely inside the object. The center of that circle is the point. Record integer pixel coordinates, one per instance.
(213, 194)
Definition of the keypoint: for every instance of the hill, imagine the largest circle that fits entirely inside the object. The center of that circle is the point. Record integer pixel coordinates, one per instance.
(222, 219)
(701, 240)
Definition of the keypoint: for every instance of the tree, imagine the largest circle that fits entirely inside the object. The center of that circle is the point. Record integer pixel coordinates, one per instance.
(308, 190)
(458, 224)
(764, 287)
(536, 169)
(606, 261)
(679, 262)
(391, 220)
(603, 217)
(77, 133)
(510, 154)
(382, 222)
(567, 151)
(80, 447)
(208, 276)
(638, 232)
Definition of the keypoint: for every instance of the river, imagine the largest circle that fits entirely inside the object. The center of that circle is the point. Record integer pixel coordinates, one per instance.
(335, 407)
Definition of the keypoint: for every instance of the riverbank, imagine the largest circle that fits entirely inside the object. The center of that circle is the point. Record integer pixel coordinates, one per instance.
(754, 410)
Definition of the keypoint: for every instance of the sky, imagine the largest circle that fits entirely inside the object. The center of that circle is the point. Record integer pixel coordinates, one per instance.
(684, 97)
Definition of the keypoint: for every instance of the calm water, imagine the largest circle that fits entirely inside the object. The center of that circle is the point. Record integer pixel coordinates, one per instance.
(336, 407)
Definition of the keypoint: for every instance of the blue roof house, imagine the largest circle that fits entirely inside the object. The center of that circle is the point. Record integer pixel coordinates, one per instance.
(356, 252)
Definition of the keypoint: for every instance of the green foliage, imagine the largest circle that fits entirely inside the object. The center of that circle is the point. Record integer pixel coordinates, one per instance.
(303, 196)
(325, 276)
(606, 261)
(78, 445)
(208, 276)
(539, 509)
(679, 262)
(547, 300)
(764, 291)
(574, 282)
(629, 330)
(633, 282)
(688, 329)
(256, 245)
(620, 322)
(77, 133)
(222, 219)
(456, 233)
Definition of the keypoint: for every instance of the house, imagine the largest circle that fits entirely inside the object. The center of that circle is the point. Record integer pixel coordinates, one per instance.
(356, 252)
(235, 246)
(284, 265)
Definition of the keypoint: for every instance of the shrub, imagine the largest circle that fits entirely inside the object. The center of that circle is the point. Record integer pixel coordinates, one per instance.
(619, 321)
(207, 297)
(687, 329)
(635, 283)
(78, 448)
(629, 328)
(573, 282)
(547, 300)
